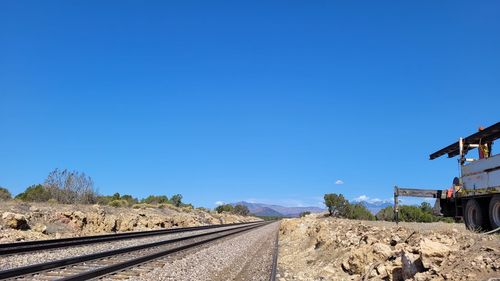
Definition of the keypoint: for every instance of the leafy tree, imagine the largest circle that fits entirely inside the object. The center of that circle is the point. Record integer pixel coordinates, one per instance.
(4, 194)
(35, 193)
(426, 207)
(228, 208)
(176, 200)
(154, 199)
(359, 212)
(337, 205)
(241, 210)
(386, 214)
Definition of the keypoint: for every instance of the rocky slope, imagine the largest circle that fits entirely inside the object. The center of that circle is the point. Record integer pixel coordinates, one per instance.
(324, 248)
(23, 221)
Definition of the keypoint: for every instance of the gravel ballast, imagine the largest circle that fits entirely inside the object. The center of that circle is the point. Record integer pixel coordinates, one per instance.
(246, 256)
(12, 261)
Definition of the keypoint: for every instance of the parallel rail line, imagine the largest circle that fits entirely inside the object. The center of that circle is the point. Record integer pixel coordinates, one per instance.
(105, 263)
(31, 246)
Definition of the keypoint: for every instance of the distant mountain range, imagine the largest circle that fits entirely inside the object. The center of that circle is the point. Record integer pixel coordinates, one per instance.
(260, 209)
(375, 207)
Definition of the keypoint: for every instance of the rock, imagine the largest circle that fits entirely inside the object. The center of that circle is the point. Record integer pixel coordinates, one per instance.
(15, 221)
(412, 264)
(432, 252)
(40, 228)
(382, 250)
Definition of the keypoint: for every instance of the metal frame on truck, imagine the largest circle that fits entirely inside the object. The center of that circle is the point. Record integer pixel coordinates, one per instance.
(475, 193)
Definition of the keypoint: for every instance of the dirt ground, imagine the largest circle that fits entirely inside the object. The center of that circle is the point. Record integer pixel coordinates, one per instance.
(323, 248)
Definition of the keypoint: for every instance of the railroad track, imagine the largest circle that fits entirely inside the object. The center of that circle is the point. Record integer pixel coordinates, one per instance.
(32, 246)
(117, 264)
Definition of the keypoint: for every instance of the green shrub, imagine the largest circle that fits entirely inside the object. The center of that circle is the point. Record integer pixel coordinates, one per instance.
(5, 194)
(35, 193)
(228, 208)
(118, 203)
(359, 212)
(422, 213)
(143, 206)
(155, 199)
(241, 210)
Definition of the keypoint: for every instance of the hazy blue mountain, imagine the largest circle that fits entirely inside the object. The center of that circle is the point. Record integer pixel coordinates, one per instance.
(375, 207)
(261, 209)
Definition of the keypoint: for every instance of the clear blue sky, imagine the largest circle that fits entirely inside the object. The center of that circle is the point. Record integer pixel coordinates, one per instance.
(271, 101)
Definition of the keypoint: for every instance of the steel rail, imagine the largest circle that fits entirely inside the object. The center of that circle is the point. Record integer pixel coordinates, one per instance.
(31, 269)
(31, 246)
(274, 268)
(137, 261)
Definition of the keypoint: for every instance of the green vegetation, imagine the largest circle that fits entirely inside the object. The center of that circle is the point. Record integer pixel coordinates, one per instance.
(338, 206)
(63, 186)
(422, 213)
(4, 194)
(35, 193)
(228, 208)
(116, 200)
(176, 200)
(156, 199)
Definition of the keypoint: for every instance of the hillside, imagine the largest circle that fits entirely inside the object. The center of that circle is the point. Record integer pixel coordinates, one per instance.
(261, 209)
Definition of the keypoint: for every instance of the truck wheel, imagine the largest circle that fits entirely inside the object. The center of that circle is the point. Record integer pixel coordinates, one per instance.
(473, 215)
(494, 212)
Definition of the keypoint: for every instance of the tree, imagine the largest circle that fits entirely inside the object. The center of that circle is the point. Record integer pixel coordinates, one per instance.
(426, 207)
(71, 187)
(337, 205)
(155, 199)
(4, 194)
(224, 208)
(35, 193)
(176, 200)
(359, 211)
(241, 210)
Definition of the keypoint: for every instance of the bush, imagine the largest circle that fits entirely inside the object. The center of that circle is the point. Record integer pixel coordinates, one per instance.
(228, 208)
(422, 213)
(5, 194)
(143, 206)
(303, 214)
(35, 193)
(154, 199)
(106, 200)
(176, 200)
(359, 212)
(70, 187)
(241, 210)
(118, 203)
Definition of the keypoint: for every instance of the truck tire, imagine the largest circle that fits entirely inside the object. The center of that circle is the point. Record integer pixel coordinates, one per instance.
(494, 212)
(473, 215)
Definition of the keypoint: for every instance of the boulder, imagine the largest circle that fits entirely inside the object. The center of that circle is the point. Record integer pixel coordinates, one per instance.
(40, 228)
(432, 252)
(15, 221)
(382, 250)
(412, 264)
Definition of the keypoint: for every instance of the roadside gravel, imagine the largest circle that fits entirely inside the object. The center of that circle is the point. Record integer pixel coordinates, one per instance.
(7, 262)
(247, 256)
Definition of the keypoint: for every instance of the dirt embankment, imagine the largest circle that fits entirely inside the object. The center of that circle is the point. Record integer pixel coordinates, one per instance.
(23, 221)
(324, 248)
